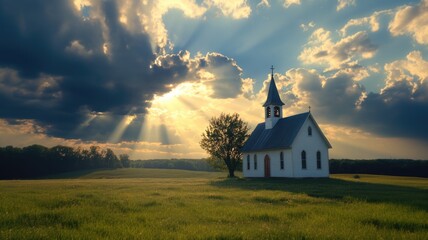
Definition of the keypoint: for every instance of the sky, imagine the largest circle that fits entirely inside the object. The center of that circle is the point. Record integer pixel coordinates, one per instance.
(145, 77)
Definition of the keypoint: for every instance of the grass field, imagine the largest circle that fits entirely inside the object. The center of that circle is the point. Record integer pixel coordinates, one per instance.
(175, 204)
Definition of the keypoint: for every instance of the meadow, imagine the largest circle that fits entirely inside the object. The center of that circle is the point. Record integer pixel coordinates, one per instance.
(178, 204)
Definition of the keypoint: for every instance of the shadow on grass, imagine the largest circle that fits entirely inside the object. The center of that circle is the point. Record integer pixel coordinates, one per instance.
(330, 188)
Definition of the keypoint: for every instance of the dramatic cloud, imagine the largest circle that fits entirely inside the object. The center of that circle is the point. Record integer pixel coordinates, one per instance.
(413, 68)
(218, 72)
(336, 97)
(321, 49)
(398, 110)
(92, 76)
(412, 20)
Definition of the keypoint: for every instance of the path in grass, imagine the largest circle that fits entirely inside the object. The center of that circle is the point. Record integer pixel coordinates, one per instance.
(206, 206)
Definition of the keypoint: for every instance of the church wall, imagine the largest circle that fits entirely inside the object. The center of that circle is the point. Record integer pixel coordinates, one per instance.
(310, 144)
(259, 172)
(275, 165)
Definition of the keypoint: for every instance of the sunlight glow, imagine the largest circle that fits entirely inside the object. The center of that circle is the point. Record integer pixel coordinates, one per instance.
(121, 127)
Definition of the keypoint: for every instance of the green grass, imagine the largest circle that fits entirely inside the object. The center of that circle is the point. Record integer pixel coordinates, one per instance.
(136, 173)
(174, 204)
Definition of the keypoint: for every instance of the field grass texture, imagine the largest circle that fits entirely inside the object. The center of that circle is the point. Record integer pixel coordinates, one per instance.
(176, 204)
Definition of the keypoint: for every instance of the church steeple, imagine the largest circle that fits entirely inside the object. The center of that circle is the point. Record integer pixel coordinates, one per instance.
(273, 96)
(273, 105)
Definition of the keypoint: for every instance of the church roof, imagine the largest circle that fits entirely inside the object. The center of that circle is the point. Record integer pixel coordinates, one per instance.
(273, 96)
(281, 136)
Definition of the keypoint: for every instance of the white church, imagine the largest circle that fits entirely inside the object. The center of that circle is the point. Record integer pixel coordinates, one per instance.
(293, 147)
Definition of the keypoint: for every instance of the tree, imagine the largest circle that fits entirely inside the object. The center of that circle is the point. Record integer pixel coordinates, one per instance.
(111, 159)
(224, 138)
(124, 159)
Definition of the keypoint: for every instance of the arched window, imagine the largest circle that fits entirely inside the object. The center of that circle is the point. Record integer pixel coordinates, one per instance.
(303, 159)
(281, 160)
(255, 162)
(276, 111)
(309, 131)
(248, 161)
(268, 112)
(319, 160)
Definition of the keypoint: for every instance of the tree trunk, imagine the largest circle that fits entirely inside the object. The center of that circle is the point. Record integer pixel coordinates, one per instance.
(230, 167)
(231, 173)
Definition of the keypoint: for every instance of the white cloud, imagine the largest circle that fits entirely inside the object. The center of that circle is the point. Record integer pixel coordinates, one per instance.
(410, 76)
(321, 49)
(412, 20)
(307, 26)
(147, 16)
(248, 88)
(372, 21)
(341, 4)
(407, 20)
(236, 9)
(288, 3)
(413, 65)
(263, 3)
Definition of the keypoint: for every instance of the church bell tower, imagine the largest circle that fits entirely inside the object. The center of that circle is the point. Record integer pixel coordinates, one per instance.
(273, 105)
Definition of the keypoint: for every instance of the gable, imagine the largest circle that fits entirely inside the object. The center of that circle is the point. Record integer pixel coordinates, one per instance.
(318, 129)
(316, 138)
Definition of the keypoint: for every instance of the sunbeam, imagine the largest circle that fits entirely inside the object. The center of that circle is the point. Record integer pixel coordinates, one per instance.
(121, 127)
(89, 119)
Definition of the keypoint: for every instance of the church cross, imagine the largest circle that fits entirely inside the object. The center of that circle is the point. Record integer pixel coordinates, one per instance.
(272, 69)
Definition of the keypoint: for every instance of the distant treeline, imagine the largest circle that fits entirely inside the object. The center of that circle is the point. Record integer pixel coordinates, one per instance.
(36, 161)
(185, 164)
(396, 167)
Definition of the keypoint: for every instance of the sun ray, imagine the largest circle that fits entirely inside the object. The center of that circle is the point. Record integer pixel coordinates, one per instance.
(121, 127)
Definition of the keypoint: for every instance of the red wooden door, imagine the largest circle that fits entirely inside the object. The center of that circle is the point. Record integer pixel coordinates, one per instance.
(267, 166)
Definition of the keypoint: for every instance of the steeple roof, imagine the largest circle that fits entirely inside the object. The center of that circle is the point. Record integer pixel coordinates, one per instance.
(273, 96)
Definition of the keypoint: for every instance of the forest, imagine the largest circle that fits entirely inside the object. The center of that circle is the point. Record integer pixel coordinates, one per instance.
(394, 167)
(36, 161)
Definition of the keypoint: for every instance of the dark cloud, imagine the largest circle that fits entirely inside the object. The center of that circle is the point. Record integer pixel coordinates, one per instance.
(217, 71)
(399, 110)
(57, 67)
(228, 81)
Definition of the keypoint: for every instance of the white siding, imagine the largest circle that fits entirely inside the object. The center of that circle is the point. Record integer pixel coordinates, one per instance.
(259, 172)
(275, 165)
(310, 144)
